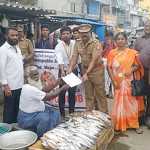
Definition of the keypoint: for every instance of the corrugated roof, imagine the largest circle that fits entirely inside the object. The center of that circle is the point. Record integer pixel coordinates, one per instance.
(85, 21)
(17, 7)
(77, 19)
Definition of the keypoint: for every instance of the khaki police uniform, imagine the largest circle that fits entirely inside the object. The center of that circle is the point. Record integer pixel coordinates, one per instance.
(94, 86)
(26, 48)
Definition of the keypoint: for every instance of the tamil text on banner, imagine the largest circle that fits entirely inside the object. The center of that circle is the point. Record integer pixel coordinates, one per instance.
(45, 59)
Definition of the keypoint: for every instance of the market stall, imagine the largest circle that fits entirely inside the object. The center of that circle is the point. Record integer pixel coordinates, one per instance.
(83, 131)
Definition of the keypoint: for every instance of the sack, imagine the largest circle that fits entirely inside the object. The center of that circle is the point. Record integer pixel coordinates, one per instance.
(139, 87)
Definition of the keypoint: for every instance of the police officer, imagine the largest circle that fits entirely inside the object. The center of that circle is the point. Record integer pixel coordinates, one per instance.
(93, 72)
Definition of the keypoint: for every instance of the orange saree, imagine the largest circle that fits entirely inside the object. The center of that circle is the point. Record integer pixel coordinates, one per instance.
(126, 107)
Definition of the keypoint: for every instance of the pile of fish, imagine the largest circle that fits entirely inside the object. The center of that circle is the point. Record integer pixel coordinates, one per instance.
(78, 133)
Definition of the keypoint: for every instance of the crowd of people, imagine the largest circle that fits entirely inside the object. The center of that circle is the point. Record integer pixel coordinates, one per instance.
(25, 90)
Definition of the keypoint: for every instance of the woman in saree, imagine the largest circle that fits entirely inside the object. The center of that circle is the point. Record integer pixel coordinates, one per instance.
(122, 62)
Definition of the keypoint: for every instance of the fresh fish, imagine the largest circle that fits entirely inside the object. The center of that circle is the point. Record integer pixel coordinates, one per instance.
(78, 133)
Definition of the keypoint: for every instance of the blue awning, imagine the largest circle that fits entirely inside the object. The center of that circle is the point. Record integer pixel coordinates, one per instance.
(85, 21)
(80, 20)
(106, 2)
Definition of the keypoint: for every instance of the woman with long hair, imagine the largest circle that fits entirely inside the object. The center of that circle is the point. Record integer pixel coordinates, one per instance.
(122, 62)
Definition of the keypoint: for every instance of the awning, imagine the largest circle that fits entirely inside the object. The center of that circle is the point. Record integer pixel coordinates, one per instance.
(19, 10)
(85, 21)
(106, 2)
(78, 20)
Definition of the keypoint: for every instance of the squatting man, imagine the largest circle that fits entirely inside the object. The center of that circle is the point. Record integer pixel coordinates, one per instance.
(33, 113)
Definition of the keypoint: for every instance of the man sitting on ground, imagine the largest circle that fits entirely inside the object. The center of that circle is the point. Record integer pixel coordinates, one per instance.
(33, 113)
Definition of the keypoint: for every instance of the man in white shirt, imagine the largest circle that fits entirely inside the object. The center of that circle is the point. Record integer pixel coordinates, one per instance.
(64, 50)
(11, 75)
(33, 113)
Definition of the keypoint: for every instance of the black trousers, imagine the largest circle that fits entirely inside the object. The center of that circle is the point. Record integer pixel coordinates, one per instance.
(11, 107)
(147, 98)
(71, 98)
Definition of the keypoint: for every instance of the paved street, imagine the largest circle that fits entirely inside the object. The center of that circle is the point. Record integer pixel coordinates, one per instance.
(130, 141)
(85, 37)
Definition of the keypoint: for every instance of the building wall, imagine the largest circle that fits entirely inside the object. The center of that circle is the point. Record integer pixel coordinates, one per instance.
(63, 7)
(128, 14)
(137, 15)
(145, 4)
(78, 8)
(135, 21)
(122, 13)
(92, 9)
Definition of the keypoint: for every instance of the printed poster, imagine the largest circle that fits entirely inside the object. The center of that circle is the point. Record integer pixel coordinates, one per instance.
(45, 59)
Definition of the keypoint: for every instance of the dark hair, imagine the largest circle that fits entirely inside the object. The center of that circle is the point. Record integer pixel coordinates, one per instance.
(75, 29)
(65, 28)
(121, 33)
(109, 34)
(44, 26)
(11, 28)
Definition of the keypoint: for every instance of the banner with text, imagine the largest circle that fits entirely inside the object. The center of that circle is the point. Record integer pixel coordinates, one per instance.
(45, 59)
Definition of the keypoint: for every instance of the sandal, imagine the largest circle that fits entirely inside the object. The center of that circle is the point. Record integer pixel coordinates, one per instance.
(139, 131)
(120, 134)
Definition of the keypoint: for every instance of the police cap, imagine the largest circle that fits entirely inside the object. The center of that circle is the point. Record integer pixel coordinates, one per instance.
(85, 28)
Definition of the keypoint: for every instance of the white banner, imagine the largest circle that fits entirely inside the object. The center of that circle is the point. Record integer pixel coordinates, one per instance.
(45, 59)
